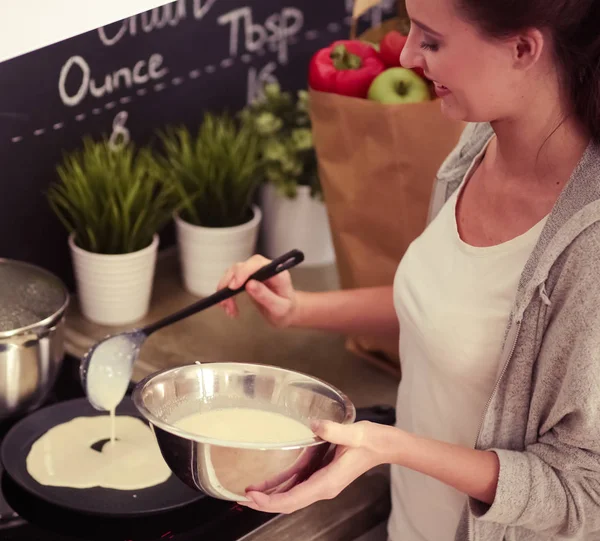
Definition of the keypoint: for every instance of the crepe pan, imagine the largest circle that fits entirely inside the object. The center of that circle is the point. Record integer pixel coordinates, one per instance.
(171, 494)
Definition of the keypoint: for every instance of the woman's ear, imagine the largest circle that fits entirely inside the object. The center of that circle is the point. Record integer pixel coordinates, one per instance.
(527, 47)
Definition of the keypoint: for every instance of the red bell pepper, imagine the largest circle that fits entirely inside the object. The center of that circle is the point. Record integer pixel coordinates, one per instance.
(390, 48)
(346, 67)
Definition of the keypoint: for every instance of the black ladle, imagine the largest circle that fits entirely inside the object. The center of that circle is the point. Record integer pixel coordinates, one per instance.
(108, 365)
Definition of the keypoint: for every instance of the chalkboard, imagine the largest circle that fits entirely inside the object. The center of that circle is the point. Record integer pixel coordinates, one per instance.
(164, 66)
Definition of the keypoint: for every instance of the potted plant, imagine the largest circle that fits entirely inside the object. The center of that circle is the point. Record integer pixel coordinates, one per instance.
(216, 174)
(113, 203)
(294, 214)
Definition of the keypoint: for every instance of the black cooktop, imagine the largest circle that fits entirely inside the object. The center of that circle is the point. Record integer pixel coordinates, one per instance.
(25, 517)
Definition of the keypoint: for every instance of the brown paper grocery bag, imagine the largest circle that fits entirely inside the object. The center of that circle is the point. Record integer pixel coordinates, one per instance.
(377, 165)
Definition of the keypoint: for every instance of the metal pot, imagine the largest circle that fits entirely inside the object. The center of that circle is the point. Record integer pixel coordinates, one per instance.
(33, 304)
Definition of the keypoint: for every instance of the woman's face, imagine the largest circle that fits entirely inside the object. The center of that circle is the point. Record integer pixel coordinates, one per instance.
(476, 77)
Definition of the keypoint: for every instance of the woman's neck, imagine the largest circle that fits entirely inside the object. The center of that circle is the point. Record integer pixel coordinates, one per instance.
(542, 144)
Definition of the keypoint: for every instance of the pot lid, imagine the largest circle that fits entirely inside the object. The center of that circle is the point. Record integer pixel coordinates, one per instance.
(29, 296)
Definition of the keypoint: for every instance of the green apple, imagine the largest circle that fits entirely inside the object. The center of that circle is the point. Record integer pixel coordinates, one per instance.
(399, 85)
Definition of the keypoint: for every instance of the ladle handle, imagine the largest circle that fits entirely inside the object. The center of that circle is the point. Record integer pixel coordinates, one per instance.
(277, 265)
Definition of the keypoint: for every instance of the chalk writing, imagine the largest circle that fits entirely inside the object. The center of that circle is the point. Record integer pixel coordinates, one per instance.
(120, 134)
(257, 80)
(277, 28)
(77, 69)
(161, 17)
(248, 37)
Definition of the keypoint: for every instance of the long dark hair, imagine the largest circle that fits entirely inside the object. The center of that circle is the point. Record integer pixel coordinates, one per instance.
(575, 28)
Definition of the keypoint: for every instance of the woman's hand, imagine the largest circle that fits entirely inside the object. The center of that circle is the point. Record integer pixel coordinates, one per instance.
(275, 298)
(354, 456)
(364, 445)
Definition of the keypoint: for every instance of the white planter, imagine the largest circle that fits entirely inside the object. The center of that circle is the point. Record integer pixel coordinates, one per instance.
(114, 289)
(205, 253)
(300, 223)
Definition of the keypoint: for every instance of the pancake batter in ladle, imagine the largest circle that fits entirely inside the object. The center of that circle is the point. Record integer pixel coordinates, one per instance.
(107, 368)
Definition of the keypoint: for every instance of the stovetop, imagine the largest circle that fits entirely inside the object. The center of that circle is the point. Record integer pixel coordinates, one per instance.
(25, 517)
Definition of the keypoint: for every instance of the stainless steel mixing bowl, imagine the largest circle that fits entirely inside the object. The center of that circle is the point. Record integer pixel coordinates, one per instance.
(224, 469)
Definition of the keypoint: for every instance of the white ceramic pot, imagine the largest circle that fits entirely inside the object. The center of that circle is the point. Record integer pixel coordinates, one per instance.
(114, 289)
(301, 222)
(205, 253)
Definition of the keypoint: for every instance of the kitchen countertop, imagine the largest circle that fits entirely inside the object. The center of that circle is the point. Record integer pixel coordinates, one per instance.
(211, 336)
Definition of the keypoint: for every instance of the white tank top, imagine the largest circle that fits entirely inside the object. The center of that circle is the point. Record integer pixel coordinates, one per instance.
(453, 301)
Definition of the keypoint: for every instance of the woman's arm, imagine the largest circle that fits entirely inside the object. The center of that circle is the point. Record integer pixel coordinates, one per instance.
(361, 310)
(364, 310)
(469, 471)
(364, 445)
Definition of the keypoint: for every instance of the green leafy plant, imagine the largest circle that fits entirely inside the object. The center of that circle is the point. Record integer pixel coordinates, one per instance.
(112, 198)
(216, 172)
(284, 125)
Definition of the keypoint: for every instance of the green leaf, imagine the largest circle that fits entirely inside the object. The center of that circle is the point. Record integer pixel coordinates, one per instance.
(283, 121)
(215, 172)
(100, 192)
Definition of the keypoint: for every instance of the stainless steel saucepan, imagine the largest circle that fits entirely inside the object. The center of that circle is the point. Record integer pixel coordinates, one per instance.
(33, 304)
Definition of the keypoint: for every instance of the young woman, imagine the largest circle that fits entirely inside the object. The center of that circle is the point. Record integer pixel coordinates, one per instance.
(497, 303)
